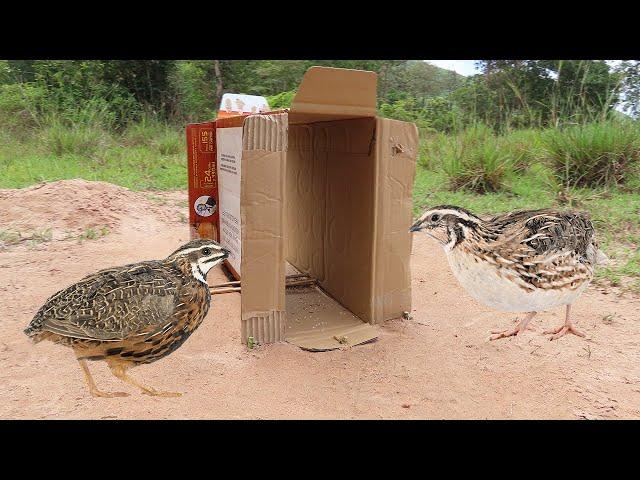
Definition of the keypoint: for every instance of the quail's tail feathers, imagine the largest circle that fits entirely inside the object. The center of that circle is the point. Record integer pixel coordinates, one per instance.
(34, 333)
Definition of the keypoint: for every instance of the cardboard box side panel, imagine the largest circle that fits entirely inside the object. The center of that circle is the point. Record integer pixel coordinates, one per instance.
(397, 150)
(264, 328)
(350, 213)
(223, 123)
(263, 229)
(306, 179)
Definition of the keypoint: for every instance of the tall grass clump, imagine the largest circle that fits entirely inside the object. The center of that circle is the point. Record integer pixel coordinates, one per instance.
(595, 154)
(475, 160)
(62, 138)
(81, 129)
(522, 147)
(160, 136)
(430, 150)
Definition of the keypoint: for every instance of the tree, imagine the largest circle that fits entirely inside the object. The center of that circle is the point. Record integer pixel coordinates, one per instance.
(542, 92)
(630, 71)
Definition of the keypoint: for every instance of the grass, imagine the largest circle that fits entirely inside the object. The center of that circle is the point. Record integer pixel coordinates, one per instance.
(9, 237)
(472, 160)
(140, 158)
(594, 154)
(93, 234)
(477, 169)
(615, 212)
(40, 236)
(603, 153)
(33, 239)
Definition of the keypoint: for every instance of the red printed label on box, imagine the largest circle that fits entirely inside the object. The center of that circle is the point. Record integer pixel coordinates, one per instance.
(203, 180)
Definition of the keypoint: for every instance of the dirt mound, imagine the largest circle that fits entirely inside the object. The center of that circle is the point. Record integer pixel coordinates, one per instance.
(71, 207)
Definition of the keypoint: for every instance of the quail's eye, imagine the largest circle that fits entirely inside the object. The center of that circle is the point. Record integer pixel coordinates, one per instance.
(435, 217)
(206, 251)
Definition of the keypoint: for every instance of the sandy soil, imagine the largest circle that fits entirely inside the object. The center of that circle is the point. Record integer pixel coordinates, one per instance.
(439, 364)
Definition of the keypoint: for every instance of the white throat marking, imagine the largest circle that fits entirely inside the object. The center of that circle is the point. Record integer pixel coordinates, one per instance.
(197, 273)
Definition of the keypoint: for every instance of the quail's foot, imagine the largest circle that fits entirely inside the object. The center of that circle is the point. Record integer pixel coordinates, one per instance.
(498, 334)
(562, 330)
(522, 326)
(100, 393)
(157, 393)
(120, 371)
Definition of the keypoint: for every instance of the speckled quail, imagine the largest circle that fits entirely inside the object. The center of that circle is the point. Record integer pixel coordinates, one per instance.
(132, 314)
(525, 261)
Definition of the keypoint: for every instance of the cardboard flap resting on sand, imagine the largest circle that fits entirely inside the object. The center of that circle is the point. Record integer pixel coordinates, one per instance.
(317, 322)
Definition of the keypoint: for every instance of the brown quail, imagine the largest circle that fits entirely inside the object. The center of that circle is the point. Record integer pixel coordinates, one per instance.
(132, 314)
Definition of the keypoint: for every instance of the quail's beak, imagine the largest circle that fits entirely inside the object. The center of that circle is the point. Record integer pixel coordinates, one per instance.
(225, 253)
(416, 227)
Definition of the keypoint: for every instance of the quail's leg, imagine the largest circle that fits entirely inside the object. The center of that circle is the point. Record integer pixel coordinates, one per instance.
(497, 334)
(562, 330)
(92, 385)
(120, 371)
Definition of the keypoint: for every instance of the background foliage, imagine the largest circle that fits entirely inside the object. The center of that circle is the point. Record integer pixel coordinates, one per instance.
(507, 94)
(520, 134)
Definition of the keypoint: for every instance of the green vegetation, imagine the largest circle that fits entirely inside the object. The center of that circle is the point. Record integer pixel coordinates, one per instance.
(593, 154)
(9, 237)
(615, 210)
(93, 234)
(521, 134)
(147, 155)
(597, 154)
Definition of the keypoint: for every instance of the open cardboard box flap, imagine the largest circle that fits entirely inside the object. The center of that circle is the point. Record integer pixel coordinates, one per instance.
(326, 187)
(334, 93)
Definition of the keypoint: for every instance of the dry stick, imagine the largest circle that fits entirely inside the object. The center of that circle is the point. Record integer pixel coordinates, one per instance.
(225, 290)
(237, 282)
(229, 287)
(299, 283)
(297, 275)
(226, 284)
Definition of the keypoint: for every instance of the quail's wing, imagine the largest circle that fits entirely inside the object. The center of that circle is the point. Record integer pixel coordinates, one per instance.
(547, 249)
(114, 303)
(546, 232)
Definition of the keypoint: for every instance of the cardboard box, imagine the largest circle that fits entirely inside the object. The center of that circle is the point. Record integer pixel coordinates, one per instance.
(203, 180)
(204, 211)
(324, 189)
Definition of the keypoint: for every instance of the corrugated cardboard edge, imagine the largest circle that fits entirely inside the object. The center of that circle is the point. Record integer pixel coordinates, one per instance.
(397, 151)
(264, 327)
(263, 228)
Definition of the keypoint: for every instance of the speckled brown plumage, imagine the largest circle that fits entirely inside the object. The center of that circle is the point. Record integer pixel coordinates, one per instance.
(537, 249)
(132, 314)
(521, 261)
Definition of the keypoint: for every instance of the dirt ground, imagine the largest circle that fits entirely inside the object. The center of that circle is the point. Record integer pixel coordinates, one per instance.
(439, 364)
